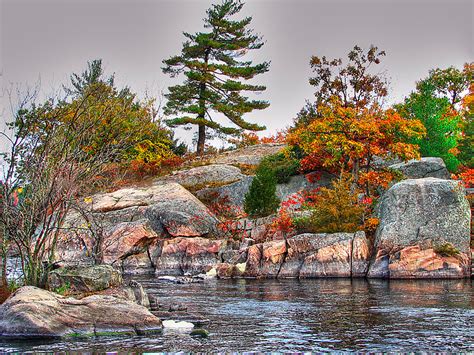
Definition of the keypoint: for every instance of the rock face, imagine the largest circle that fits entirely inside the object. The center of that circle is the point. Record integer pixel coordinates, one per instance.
(424, 231)
(251, 155)
(326, 255)
(204, 175)
(84, 279)
(180, 256)
(425, 167)
(31, 312)
(235, 192)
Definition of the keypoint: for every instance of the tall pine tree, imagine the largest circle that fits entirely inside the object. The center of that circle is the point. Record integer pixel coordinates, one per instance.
(214, 75)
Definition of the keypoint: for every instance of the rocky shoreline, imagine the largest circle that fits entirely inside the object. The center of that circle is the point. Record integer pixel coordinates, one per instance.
(164, 229)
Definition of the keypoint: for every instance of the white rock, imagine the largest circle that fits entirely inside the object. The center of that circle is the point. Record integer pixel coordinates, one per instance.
(171, 324)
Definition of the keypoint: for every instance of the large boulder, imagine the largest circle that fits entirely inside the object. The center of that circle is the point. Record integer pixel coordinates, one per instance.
(169, 206)
(84, 279)
(424, 231)
(422, 168)
(123, 228)
(199, 177)
(31, 312)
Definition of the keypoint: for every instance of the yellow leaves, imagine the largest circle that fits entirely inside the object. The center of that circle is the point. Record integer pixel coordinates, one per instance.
(88, 200)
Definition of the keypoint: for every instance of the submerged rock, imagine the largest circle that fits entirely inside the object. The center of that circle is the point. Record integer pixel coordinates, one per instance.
(31, 312)
(424, 231)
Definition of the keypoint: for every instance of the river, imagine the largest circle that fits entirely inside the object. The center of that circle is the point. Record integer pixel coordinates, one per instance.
(306, 315)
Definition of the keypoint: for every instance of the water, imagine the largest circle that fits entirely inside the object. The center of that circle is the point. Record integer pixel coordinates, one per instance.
(306, 315)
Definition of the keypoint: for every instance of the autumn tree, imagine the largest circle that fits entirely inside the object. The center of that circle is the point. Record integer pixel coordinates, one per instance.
(47, 167)
(215, 76)
(353, 83)
(123, 118)
(466, 141)
(347, 138)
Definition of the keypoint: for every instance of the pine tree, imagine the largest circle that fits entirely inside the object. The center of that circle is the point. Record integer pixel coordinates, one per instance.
(214, 75)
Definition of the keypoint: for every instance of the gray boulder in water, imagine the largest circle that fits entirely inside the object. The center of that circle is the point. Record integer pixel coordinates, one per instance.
(424, 231)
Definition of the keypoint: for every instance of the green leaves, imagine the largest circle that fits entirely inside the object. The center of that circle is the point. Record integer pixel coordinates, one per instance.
(441, 121)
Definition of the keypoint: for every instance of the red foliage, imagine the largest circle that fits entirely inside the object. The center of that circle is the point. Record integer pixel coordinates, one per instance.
(467, 177)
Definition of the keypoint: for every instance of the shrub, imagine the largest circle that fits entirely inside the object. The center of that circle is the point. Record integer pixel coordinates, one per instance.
(282, 166)
(261, 200)
(334, 209)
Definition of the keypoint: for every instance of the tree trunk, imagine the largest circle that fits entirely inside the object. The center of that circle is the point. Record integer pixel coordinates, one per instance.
(3, 270)
(355, 175)
(201, 139)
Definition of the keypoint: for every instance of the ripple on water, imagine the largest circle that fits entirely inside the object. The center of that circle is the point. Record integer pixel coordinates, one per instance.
(308, 315)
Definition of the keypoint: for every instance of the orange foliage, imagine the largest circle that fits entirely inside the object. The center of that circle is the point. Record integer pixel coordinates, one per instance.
(248, 139)
(348, 138)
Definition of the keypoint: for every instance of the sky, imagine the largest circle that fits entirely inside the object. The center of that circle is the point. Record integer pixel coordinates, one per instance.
(44, 41)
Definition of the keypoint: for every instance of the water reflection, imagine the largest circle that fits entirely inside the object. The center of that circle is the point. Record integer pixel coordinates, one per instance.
(317, 315)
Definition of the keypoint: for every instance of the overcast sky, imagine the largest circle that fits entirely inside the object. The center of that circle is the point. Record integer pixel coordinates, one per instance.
(49, 39)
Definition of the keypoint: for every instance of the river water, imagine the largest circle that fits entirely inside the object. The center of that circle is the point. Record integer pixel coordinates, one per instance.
(306, 315)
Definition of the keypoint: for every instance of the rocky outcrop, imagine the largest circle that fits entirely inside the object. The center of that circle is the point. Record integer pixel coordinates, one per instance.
(301, 256)
(124, 228)
(170, 207)
(201, 176)
(84, 279)
(182, 256)
(424, 231)
(251, 155)
(422, 168)
(31, 312)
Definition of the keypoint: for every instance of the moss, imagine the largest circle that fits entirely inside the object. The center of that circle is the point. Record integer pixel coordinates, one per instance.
(101, 334)
(64, 289)
(200, 332)
(446, 250)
